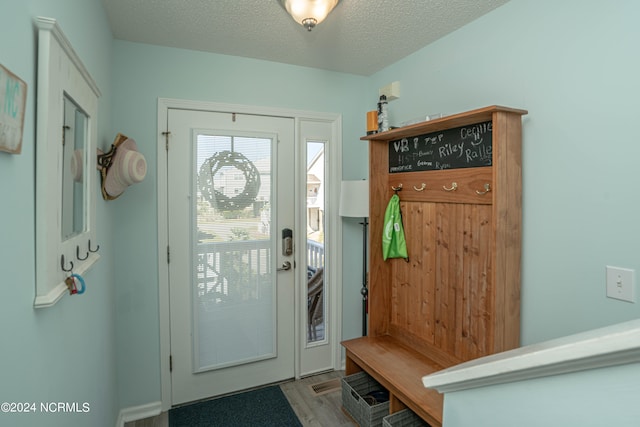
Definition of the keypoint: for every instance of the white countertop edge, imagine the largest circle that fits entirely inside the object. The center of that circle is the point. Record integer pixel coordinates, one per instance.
(612, 345)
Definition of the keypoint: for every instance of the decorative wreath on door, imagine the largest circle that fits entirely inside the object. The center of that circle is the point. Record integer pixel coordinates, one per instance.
(217, 199)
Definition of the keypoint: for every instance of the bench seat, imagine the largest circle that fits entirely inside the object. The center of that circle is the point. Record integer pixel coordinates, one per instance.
(400, 370)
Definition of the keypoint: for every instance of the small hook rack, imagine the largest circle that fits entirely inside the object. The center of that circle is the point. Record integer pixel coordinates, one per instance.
(398, 188)
(487, 188)
(62, 264)
(93, 250)
(454, 187)
(422, 187)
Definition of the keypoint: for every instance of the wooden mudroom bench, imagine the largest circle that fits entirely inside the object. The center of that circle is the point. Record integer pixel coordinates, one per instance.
(457, 297)
(399, 369)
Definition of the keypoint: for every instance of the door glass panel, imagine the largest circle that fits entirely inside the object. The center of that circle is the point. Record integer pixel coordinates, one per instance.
(315, 242)
(233, 300)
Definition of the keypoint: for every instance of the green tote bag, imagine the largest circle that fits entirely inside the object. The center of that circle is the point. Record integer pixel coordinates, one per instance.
(393, 242)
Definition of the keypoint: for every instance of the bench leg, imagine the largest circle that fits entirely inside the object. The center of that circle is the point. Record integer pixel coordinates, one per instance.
(351, 367)
(395, 405)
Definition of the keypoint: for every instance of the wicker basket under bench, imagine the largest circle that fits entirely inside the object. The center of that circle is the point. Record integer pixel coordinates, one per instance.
(458, 297)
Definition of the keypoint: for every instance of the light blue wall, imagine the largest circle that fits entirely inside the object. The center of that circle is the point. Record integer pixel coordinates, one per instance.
(145, 73)
(65, 353)
(574, 66)
(595, 398)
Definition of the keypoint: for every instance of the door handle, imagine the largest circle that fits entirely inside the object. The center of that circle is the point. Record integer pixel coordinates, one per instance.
(285, 266)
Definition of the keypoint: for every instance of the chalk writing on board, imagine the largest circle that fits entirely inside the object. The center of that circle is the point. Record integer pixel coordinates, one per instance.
(462, 147)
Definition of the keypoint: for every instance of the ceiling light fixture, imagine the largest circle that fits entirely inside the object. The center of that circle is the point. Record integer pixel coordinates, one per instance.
(309, 13)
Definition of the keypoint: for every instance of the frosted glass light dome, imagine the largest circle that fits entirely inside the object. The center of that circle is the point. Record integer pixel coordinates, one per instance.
(309, 13)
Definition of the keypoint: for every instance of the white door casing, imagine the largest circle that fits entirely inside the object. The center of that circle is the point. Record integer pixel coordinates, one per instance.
(308, 125)
(316, 355)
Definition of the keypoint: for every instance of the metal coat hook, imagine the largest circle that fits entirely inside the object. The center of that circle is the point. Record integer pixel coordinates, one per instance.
(93, 250)
(454, 187)
(78, 254)
(422, 187)
(62, 264)
(398, 188)
(487, 188)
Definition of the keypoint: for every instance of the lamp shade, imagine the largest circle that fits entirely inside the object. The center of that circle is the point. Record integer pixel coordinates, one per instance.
(354, 199)
(309, 13)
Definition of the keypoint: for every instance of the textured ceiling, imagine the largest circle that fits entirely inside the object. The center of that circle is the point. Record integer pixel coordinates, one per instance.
(358, 37)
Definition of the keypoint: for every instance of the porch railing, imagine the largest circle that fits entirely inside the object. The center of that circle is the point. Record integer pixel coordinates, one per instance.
(225, 266)
(248, 256)
(315, 254)
(234, 272)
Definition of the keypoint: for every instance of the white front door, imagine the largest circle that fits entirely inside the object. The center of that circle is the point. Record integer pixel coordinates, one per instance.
(230, 199)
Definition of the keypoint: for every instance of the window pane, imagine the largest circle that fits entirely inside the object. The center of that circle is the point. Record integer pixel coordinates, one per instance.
(233, 289)
(315, 241)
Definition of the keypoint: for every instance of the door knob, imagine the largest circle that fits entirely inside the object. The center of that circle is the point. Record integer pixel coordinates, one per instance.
(285, 266)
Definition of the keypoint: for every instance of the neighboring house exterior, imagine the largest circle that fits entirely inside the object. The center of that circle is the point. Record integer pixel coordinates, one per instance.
(315, 197)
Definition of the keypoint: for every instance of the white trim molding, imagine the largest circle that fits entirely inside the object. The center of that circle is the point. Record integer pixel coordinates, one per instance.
(609, 346)
(135, 413)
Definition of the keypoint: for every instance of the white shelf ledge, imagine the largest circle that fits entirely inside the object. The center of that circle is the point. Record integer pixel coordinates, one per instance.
(54, 295)
(613, 345)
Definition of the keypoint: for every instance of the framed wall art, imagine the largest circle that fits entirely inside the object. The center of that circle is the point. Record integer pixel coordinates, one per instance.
(13, 98)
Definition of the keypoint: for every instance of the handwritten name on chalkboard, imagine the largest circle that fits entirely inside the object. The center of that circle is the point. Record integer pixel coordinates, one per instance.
(462, 147)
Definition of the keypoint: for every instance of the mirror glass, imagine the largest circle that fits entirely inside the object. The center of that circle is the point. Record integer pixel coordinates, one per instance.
(74, 137)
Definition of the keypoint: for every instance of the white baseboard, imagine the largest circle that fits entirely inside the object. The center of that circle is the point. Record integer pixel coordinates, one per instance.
(135, 413)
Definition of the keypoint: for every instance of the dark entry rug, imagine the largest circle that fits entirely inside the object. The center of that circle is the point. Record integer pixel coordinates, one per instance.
(262, 407)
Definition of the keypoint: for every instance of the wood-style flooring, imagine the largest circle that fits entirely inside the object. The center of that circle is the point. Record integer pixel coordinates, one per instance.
(313, 410)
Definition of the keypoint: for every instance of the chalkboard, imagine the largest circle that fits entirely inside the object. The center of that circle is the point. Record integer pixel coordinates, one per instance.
(462, 147)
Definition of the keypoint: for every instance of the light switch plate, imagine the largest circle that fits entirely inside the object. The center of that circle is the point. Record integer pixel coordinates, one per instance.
(620, 283)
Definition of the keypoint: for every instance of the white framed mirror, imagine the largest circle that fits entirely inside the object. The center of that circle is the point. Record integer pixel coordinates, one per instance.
(67, 130)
